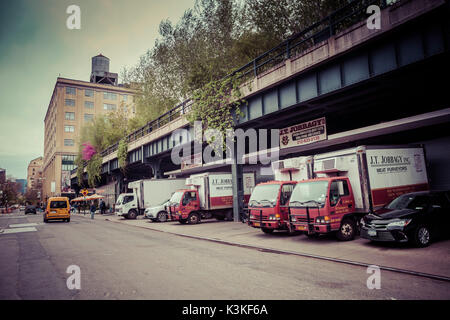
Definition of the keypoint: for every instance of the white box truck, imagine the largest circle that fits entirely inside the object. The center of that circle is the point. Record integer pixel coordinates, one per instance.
(350, 183)
(146, 193)
(208, 195)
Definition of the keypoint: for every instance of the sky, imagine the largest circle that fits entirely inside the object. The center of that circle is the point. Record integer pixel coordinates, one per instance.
(36, 47)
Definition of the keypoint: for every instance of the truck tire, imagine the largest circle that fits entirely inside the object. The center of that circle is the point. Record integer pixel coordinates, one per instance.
(347, 230)
(194, 218)
(132, 214)
(268, 231)
(162, 216)
(422, 236)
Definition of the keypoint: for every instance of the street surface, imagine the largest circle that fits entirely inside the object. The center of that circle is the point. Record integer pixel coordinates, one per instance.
(121, 261)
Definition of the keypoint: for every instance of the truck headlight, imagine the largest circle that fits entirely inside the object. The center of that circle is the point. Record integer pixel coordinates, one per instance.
(400, 223)
(361, 222)
(293, 219)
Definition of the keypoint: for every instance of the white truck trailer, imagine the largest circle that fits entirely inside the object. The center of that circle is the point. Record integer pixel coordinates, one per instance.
(146, 193)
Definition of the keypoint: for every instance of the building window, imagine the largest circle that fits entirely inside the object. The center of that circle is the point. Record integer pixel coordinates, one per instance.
(67, 162)
(71, 90)
(108, 106)
(69, 142)
(70, 116)
(88, 93)
(70, 102)
(109, 96)
(88, 117)
(69, 128)
(125, 97)
(89, 104)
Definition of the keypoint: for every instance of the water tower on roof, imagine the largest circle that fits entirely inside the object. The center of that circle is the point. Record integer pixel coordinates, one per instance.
(100, 71)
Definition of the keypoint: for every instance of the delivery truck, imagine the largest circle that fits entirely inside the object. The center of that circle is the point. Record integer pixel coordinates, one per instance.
(145, 194)
(207, 195)
(268, 204)
(350, 183)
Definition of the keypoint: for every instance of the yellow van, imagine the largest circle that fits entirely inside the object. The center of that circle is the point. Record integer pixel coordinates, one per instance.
(57, 208)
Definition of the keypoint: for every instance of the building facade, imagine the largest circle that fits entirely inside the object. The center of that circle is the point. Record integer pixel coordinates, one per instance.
(73, 104)
(34, 175)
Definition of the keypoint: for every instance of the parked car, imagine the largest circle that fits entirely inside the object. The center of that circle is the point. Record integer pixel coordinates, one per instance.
(158, 213)
(418, 217)
(30, 209)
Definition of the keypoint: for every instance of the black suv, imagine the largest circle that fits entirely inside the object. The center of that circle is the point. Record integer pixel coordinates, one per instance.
(418, 217)
(30, 209)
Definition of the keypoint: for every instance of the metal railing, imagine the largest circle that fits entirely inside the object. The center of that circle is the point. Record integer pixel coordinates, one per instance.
(339, 20)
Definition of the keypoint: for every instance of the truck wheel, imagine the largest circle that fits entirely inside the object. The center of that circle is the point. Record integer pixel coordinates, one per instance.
(268, 231)
(347, 230)
(162, 216)
(422, 237)
(193, 218)
(132, 214)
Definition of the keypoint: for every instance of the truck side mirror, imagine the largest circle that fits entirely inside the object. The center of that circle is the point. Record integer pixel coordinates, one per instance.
(341, 188)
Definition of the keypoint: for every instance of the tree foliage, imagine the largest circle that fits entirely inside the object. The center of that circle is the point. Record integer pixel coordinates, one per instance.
(211, 40)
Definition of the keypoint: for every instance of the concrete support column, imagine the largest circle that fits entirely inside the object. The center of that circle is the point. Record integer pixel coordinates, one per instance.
(156, 167)
(237, 185)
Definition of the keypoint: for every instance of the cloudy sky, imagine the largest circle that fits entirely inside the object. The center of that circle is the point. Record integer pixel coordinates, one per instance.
(36, 47)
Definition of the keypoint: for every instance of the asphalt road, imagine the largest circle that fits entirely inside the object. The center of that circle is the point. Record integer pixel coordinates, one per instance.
(118, 261)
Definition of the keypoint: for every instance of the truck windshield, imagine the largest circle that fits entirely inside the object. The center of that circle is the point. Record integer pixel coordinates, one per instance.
(309, 193)
(263, 194)
(176, 197)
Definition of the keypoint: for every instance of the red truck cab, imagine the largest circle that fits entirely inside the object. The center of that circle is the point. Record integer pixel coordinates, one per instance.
(184, 206)
(324, 205)
(267, 206)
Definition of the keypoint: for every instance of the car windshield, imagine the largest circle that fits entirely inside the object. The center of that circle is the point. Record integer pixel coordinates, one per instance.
(264, 193)
(58, 204)
(164, 202)
(176, 197)
(408, 202)
(309, 193)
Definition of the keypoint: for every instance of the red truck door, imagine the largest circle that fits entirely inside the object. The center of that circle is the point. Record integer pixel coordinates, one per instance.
(190, 201)
(341, 201)
(285, 194)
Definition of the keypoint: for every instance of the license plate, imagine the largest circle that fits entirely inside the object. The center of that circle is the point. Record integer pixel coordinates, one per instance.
(301, 227)
(256, 224)
(52, 211)
(372, 233)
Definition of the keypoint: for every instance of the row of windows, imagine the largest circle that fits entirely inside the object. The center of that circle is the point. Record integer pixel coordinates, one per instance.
(69, 142)
(90, 105)
(90, 93)
(68, 162)
(71, 116)
(68, 128)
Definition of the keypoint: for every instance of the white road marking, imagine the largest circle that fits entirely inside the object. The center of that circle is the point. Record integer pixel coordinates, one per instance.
(11, 217)
(20, 225)
(18, 230)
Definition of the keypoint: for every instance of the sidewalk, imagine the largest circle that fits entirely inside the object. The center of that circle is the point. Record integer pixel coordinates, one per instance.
(434, 259)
